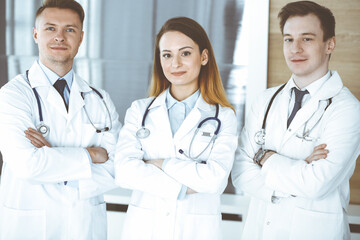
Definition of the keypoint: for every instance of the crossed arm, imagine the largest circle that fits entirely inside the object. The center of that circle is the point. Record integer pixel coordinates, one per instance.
(97, 154)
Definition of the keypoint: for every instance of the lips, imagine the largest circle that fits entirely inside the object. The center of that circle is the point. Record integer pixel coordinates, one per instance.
(58, 47)
(298, 60)
(178, 74)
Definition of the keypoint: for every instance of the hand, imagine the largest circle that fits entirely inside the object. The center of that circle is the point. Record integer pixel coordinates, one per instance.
(98, 154)
(36, 138)
(266, 157)
(157, 162)
(190, 191)
(319, 152)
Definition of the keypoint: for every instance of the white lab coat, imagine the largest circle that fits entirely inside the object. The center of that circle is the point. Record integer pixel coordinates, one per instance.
(154, 211)
(313, 198)
(35, 203)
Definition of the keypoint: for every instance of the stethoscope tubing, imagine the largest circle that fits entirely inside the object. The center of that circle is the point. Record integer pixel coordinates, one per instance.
(105, 129)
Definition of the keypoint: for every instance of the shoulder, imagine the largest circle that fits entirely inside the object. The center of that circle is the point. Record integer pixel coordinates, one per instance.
(345, 103)
(16, 87)
(262, 100)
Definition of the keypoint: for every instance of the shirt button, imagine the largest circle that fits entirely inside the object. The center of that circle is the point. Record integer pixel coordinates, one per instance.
(268, 223)
(289, 129)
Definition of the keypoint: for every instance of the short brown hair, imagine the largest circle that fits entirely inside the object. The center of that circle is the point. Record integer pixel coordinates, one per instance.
(302, 8)
(63, 4)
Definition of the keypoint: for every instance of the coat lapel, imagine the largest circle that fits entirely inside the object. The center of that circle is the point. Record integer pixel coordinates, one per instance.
(193, 119)
(330, 88)
(76, 102)
(46, 91)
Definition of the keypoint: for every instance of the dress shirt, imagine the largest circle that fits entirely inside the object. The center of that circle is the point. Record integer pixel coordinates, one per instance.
(312, 89)
(53, 77)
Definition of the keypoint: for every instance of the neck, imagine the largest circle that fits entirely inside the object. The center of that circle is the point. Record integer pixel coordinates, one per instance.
(60, 68)
(304, 81)
(180, 93)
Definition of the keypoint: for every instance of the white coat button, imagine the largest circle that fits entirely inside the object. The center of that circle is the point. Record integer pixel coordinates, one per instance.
(167, 214)
(289, 129)
(268, 223)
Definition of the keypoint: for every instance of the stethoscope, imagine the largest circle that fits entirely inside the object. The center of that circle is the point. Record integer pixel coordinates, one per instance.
(261, 134)
(44, 129)
(144, 132)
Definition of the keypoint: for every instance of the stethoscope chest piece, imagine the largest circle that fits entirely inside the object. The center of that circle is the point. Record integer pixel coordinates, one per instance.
(43, 129)
(260, 137)
(143, 133)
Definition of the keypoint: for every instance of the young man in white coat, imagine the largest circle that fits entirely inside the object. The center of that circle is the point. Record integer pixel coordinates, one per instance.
(57, 142)
(300, 142)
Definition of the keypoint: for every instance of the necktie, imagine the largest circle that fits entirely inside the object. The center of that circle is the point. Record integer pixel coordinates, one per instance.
(298, 98)
(59, 85)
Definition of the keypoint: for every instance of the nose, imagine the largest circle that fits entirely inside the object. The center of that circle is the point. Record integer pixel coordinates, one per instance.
(59, 37)
(176, 62)
(296, 46)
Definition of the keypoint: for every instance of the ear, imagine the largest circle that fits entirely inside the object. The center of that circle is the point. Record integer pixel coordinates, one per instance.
(204, 57)
(35, 35)
(81, 37)
(331, 43)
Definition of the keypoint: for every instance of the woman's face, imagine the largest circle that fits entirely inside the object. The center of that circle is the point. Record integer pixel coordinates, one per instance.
(181, 60)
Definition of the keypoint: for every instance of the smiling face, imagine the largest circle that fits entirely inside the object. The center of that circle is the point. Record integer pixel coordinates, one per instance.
(305, 51)
(181, 61)
(58, 33)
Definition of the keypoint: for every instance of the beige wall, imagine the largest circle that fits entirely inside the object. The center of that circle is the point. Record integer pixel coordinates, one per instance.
(345, 59)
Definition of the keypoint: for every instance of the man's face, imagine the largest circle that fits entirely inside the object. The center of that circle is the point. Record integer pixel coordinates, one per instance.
(58, 33)
(305, 51)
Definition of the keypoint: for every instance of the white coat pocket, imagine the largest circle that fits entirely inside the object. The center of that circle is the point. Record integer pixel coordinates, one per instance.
(139, 224)
(312, 225)
(90, 138)
(192, 223)
(22, 224)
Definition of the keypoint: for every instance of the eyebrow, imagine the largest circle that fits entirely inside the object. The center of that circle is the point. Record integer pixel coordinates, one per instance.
(69, 25)
(303, 34)
(165, 50)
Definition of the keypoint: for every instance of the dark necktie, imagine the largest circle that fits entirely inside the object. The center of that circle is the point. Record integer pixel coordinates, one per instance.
(297, 105)
(59, 85)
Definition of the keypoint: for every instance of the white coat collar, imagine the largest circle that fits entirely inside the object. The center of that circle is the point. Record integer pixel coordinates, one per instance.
(329, 89)
(200, 103)
(46, 91)
(37, 78)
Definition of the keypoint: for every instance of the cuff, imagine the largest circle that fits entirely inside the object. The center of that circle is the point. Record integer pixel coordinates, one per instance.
(182, 193)
(166, 160)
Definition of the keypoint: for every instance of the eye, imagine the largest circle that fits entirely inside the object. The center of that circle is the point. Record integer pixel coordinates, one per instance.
(185, 53)
(307, 39)
(50, 28)
(70, 30)
(288, 40)
(166, 55)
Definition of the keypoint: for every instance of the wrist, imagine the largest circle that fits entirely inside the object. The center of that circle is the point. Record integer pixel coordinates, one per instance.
(262, 155)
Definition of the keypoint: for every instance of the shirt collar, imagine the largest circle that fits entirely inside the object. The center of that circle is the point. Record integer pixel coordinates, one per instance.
(53, 77)
(189, 101)
(313, 87)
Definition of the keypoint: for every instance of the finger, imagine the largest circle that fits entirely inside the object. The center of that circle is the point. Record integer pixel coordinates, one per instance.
(321, 146)
(37, 145)
(318, 157)
(35, 134)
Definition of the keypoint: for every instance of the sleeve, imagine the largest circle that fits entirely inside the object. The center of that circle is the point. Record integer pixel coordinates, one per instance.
(102, 175)
(246, 175)
(341, 133)
(43, 165)
(130, 169)
(211, 177)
